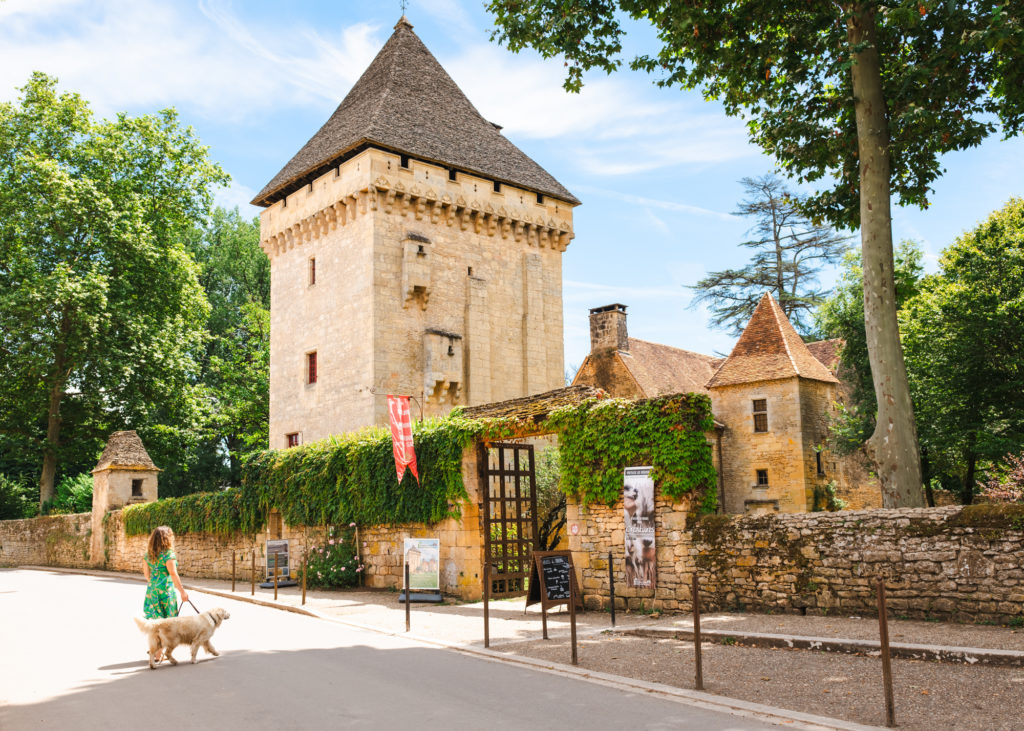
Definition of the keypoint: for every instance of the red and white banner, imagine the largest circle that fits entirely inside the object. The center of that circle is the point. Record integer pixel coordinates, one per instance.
(401, 435)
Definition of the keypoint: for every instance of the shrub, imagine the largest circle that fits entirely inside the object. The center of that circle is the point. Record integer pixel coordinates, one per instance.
(17, 499)
(334, 564)
(73, 495)
(1008, 487)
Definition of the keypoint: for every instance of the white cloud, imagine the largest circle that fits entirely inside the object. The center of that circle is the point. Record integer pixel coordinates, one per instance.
(653, 202)
(144, 53)
(236, 194)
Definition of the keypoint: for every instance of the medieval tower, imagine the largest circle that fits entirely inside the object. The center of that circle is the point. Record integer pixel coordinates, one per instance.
(414, 250)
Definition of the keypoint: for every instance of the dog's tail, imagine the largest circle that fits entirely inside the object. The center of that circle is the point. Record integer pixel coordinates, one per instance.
(143, 624)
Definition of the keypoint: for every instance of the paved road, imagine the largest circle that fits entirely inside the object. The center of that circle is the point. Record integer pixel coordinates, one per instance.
(71, 658)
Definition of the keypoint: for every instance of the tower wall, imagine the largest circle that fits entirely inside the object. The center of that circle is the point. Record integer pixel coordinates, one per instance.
(448, 290)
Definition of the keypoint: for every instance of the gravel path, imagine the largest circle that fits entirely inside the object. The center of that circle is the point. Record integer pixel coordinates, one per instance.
(929, 695)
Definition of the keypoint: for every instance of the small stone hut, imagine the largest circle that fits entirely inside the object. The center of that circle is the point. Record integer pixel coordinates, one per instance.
(124, 475)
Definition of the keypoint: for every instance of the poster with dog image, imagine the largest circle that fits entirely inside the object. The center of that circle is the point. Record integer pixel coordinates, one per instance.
(638, 512)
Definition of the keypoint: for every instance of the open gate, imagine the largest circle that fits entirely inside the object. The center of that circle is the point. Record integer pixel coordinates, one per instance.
(510, 514)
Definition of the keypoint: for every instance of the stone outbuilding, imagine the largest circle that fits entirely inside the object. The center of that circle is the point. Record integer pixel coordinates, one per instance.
(124, 475)
(772, 399)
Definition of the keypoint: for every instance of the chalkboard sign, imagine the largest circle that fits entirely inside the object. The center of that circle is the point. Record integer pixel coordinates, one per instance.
(557, 577)
(552, 579)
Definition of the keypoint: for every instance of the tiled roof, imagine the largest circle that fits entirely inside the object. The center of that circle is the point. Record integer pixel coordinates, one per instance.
(660, 370)
(406, 102)
(827, 352)
(769, 349)
(124, 449)
(535, 407)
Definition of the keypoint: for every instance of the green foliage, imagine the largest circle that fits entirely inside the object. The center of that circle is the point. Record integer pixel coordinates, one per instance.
(17, 499)
(950, 73)
(598, 439)
(550, 498)
(826, 498)
(339, 480)
(842, 316)
(334, 564)
(73, 495)
(962, 337)
(220, 513)
(101, 313)
(351, 478)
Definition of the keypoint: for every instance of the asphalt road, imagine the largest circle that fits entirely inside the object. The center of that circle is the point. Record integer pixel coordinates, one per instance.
(71, 658)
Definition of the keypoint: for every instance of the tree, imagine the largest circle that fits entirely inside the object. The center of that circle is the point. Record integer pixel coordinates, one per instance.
(234, 366)
(551, 501)
(101, 313)
(790, 251)
(842, 316)
(964, 338)
(866, 93)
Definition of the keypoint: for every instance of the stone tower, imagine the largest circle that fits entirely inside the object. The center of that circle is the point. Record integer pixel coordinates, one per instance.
(414, 250)
(774, 398)
(125, 475)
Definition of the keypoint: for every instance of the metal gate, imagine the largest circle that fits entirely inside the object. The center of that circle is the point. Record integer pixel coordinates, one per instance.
(510, 515)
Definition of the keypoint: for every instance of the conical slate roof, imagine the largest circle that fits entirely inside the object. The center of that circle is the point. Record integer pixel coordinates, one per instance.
(769, 349)
(407, 103)
(124, 449)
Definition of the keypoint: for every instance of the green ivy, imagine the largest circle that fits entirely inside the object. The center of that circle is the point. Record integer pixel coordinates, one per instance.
(338, 480)
(598, 439)
(351, 478)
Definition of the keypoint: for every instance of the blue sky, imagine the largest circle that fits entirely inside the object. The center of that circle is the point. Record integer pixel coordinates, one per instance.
(657, 170)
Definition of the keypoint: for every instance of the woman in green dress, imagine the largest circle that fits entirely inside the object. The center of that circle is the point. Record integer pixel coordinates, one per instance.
(161, 569)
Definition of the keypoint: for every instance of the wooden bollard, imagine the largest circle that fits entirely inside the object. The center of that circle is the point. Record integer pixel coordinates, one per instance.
(232, 572)
(883, 635)
(252, 574)
(572, 617)
(487, 598)
(699, 680)
(611, 585)
(275, 577)
(408, 596)
(305, 561)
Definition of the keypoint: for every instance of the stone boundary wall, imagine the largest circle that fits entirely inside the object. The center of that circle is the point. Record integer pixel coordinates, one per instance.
(52, 540)
(943, 563)
(64, 540)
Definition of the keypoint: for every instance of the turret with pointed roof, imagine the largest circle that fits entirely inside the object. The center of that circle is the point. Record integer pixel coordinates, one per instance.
(769, 349)
(413, 250)
(406, 102)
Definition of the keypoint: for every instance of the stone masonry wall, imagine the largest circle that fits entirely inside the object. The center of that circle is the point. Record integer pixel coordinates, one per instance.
(53, 540)
(64, 540)
(951, 562)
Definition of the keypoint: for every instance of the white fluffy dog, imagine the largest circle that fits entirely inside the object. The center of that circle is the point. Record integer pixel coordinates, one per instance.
(166, 634)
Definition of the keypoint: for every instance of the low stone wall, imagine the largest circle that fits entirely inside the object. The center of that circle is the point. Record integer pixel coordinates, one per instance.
(949, 562)
(64, 540)
(53, 540)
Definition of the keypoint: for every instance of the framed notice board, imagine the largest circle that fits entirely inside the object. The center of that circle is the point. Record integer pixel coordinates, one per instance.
(553, 580)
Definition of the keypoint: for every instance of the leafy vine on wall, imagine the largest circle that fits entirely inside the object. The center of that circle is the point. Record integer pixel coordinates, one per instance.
(599, 438)
(351, 478)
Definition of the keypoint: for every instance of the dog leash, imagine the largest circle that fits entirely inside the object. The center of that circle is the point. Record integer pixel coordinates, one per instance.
(183, 604)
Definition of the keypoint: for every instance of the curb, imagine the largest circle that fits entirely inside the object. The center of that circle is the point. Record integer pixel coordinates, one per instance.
(903, 650)
(706, 701)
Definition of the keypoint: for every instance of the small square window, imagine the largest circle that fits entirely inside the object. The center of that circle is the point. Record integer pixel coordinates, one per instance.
(136, 488)
(312, 270)
(311, 367)
(762, 478)
(292, 439)
(760, 416)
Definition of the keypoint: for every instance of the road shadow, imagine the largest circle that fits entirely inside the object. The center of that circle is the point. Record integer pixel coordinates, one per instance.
(352, 687)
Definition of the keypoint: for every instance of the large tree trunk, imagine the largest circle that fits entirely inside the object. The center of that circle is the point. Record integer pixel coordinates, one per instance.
(57, 382)
(893, 446)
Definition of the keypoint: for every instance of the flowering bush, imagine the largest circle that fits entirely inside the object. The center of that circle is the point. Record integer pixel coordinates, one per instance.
(335, 563)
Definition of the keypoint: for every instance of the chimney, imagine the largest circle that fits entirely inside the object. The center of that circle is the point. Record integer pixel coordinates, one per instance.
(608, 328)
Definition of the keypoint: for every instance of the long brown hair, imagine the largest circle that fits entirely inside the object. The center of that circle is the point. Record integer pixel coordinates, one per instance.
(160, 540)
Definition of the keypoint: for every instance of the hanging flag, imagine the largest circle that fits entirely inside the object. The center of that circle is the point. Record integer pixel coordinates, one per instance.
(401, 435)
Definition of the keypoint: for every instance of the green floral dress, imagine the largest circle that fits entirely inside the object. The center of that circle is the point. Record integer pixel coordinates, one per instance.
(161, 596)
